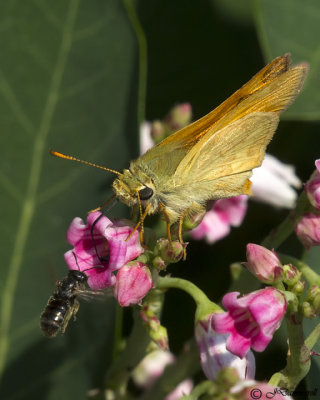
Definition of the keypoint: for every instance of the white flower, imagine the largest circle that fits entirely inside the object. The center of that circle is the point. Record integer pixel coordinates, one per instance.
(273, 183)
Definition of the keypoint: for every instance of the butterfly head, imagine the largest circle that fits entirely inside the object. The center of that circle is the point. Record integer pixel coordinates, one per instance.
(133, 186)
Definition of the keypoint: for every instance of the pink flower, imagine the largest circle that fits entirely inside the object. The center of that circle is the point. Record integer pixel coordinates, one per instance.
(308, 230)
(250, 320)
(312, 187)
(152, 367)
(217, 222)
(133, 282)
(108, 251)
(263, 263)
(273, 183)
(215, 356)
(183, 389)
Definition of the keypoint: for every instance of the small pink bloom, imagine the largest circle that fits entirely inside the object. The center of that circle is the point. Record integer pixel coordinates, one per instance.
(249, 390)
(273, 183)
(308, 230)
(214, 355)
(133, 282)
(312, 187)
(108, 251)
(217, 222)
(263, 263)
(183, 389)
(251, 320)
(152, 367)
(178, 117)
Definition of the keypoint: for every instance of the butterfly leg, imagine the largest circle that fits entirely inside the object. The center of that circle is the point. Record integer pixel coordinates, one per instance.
(167, 219)
(181, 218)
(140, 222)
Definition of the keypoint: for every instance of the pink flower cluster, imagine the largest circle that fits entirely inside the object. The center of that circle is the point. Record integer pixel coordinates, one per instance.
(308, 227)
(103, 251)
(217, 222)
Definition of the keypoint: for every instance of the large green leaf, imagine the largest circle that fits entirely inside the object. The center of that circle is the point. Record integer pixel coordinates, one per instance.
(293, 26)
(68, 81)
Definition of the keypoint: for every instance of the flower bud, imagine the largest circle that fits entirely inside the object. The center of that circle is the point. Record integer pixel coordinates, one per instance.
(308, 230)
(298, 288)
(308, 310)
(178, 117)
(157, 332)
(158, 131)
(169, 252)
(263, 263)
(312, 187)
(313, 298)
(291, 275)
(133, 282)
(191, 222)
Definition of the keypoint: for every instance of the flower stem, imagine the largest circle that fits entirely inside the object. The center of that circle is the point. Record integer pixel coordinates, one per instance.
(204, 305)
(298, 359)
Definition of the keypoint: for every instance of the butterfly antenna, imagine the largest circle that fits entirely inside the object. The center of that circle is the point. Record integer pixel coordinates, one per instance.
(61, 155)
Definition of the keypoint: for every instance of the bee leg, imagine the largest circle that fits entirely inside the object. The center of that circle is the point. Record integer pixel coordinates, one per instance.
(75, 309)
(66, 320)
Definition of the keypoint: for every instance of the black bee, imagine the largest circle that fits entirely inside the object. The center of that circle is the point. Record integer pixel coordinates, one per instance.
(63, 304)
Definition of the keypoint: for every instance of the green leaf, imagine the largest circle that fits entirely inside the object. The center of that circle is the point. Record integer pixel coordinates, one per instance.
(293, 26)
(67, 82)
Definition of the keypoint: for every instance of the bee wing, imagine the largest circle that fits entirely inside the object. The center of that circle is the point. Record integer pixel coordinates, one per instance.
(94, 295)
(271, 90)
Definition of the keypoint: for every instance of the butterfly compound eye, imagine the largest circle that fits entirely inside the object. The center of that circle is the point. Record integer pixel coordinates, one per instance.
(145, 193)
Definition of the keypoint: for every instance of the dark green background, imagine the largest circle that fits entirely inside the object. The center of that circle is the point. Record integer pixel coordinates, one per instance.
(73, 78)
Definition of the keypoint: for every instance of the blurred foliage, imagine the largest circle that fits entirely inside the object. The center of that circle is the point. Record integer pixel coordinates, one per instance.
(72, 78)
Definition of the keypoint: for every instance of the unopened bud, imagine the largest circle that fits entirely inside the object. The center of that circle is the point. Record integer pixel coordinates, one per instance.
(191, 222)
(169, 252)
(298, 288)
(178, 117)
(158, 131)
(308, 310)
(291, 275)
